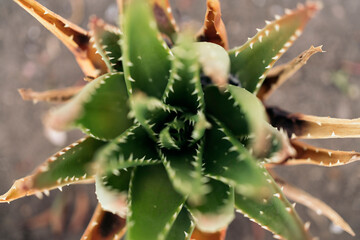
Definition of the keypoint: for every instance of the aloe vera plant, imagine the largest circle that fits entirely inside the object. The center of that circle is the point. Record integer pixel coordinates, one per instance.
(177, 133)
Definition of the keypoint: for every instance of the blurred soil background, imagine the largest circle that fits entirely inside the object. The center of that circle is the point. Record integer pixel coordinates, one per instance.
(30, 57)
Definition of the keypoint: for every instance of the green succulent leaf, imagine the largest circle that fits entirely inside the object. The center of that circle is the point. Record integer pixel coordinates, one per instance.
(100, 109)
(185, 171)
(227, 160)
(217, 208)
(112, 190)
(153, 204)
(117, 181)
(239, 110)
(151, 113)
(132, 148)
(182, 227)
(169, 139)
(214, 61)
(275, 214)
(106, 41)
(146, 59)
(251, 62)
(71, 165)
(184, 87)
(200, 124)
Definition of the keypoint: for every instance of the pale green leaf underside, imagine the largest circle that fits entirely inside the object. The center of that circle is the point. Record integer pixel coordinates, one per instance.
(214, 61)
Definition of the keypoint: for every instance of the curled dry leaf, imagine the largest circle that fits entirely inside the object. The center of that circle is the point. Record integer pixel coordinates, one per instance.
(278, 75)
(299, 125)
(307, 154)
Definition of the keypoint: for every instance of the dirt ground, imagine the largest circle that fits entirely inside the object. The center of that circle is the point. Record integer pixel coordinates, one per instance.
(30, 57)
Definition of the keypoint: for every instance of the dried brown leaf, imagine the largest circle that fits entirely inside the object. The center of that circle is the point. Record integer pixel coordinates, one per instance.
(299, 125)
(214, 28)
(308, 154)
(53, 96)
(164, 18)
(105, 226)
(76, 39)
(199, 235)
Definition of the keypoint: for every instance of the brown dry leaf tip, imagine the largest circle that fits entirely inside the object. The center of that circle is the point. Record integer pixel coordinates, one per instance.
(303, 126)
(19, 189)
(278, 75)
(24, 187)
(199, 235)
(214, 28)
(76, 39)
(53, 96)
(308, 154)
(105, 226)
(314, 204)
(120, 4)
(164, 17)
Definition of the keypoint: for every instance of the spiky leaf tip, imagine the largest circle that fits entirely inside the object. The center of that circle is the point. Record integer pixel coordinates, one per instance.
(251, 62)
(71, 165)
